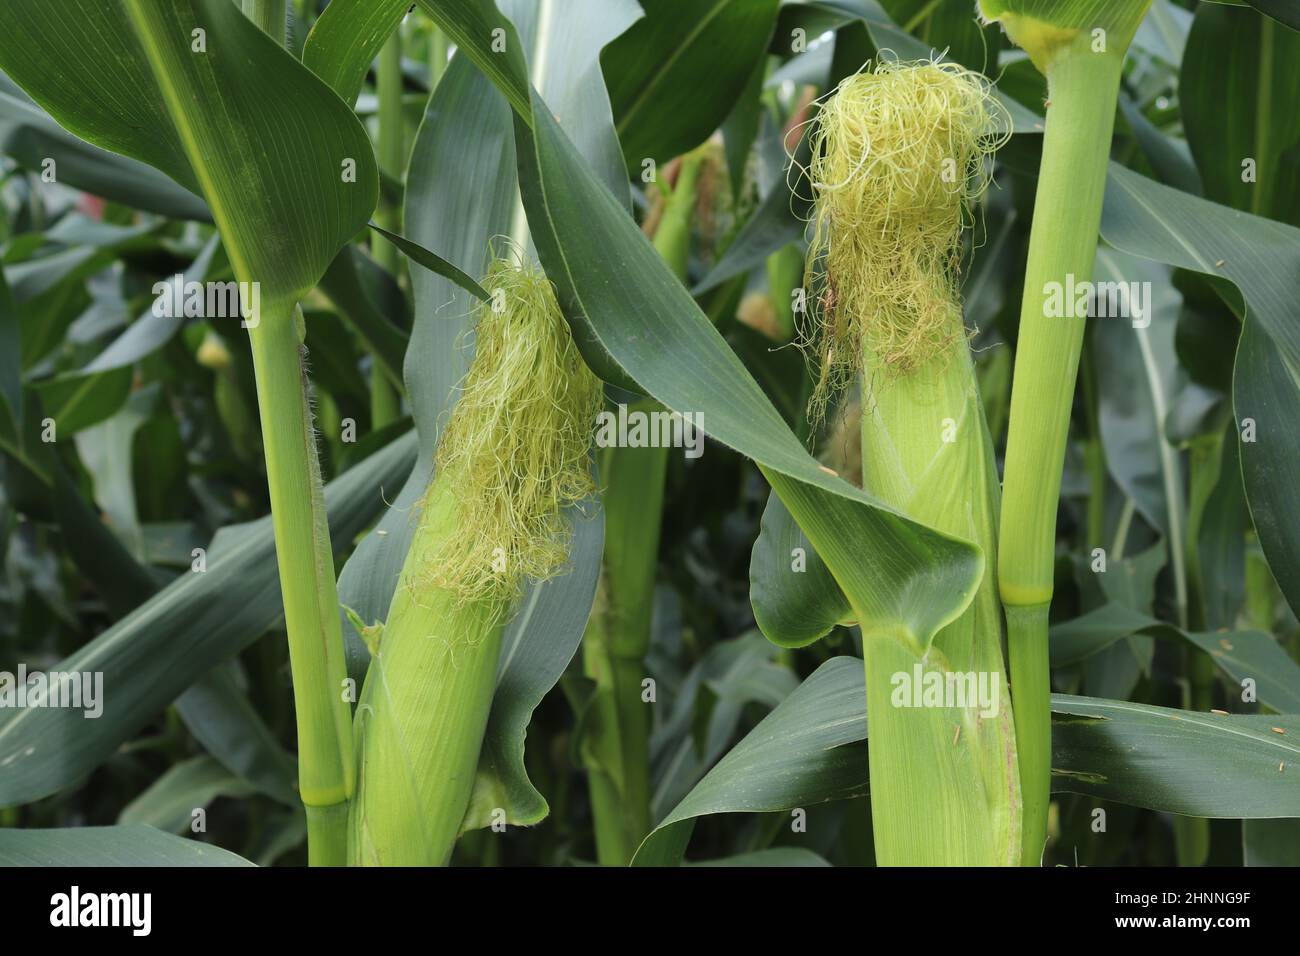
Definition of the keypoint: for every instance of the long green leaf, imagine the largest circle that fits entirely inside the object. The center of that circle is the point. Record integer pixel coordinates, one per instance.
(108, 846)
(30, 137)
(810, 750)
(220, 611)
(1241, 655)
(675, 76)
(170, 801)
(1262, 258)
(1237, 92)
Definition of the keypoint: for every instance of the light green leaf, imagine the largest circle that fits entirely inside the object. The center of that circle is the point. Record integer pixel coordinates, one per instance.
(346, 37)
(170, 801)
(434, 263)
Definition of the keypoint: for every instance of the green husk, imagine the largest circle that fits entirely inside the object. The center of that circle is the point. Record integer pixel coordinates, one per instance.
(513, 458)
(885, 255)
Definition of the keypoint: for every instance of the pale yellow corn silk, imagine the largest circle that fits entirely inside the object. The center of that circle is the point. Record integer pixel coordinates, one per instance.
(515, 452)
(900, 153)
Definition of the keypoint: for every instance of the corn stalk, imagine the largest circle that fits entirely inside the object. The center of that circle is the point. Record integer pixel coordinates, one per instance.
(617, 637)
(1080, 47)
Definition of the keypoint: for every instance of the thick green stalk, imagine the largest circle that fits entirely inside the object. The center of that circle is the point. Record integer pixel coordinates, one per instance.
(1031, 683)
(424, 708)
(617, 637)
(1205, 458)
(384, 402)
(326, 768)
(616, 642)
(1080, 46)
(326, 763)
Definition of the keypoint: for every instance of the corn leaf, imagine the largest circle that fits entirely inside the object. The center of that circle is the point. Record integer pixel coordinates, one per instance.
(1237, 91)
(810, 750)
(283, 219)
(220, 611)
(1241, 655)
(796, 600)
(345, 39)
(1262, 259)
(170, 801)
(676, 74)
(30, 136)
(134, 845)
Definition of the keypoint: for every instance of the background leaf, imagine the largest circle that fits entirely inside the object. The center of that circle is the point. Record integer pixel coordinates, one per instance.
(675, 75)
(108, 846)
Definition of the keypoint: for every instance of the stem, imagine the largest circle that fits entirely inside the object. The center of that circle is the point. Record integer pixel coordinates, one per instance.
(438, 48)
(1122, 526)
(618, 633)
(326, 768)
(784, 274)
(1031, 692)
(1083, 88)
(1258, 608)
(384, 404)
(616, 642)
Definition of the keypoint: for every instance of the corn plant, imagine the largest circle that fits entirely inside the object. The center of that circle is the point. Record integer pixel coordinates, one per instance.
(500, 433)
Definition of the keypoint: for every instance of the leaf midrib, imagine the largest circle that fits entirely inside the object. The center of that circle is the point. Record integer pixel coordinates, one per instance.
(657, 78)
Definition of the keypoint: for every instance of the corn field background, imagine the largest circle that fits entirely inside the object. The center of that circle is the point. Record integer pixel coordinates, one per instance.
(336, 344)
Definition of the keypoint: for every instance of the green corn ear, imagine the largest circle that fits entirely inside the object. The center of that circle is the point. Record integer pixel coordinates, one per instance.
(900, 155)
(513, 458)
